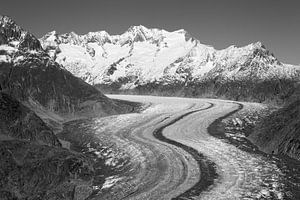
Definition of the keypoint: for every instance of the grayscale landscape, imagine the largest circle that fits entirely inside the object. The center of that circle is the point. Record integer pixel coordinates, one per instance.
(149, 111)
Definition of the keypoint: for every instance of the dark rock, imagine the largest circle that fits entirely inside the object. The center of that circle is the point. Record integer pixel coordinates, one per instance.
(279, 133)
(30, 171)
(19, 122)
(275, 91)
(10, 31)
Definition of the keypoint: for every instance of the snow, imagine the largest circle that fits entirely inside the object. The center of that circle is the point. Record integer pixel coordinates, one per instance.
(8, 49)
(242, 175)
(19, 58)
(15, 43)
(4, 58)
(7, 52)
(148, 55)
(110, 181)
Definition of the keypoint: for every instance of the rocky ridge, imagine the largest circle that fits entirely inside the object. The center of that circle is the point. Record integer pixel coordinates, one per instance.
(30, 75)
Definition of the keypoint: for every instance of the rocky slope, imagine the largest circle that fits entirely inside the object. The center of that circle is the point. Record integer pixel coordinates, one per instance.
(153, 61)
(18, 121)
(33, 165)
(31, 171)
(31, 76)
(279, 133)
(36, 95)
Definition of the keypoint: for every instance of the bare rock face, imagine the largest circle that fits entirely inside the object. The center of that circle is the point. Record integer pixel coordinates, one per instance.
(29, 74)
(279, 133)
(18, 122)
(30, 171)
(33, 165)
(53, 87)
(11, 33)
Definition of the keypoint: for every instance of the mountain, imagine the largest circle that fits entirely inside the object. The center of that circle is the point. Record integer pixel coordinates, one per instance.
(31, 76)
(279, 133)
(18, 121)
(154, 61)
(36, 96)
(33, 165)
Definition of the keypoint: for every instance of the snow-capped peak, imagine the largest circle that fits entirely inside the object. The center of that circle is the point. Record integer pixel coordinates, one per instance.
(50, 37)
(142, 55)
(139, 28)
(257, 45)
(137, 33)
(13, 35)
(7, 21)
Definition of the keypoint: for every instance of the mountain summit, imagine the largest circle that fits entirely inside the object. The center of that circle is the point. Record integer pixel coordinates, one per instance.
(13, 35)
(143, 58)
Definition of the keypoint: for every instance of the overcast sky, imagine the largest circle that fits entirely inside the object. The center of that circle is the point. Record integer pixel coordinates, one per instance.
(220, 23)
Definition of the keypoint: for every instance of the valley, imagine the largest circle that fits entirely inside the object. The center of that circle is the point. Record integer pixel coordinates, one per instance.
(172, 154)
(74, 124)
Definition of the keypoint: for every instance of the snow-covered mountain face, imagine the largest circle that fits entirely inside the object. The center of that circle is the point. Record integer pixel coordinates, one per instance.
(143, 56)
(15, 42)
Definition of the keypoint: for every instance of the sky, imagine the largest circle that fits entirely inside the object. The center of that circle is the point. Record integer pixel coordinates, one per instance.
(219, 23)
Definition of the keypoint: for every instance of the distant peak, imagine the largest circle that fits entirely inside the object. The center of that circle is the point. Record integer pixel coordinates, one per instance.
(257, 45)
(73, 33)
(6, 19)
(13, 33)
(51, 33)
(70, 35)
(139, 28)
(143, 29)
(98, 34)
(7, 22)
(181, 31)
(50, 36)
(138, 33)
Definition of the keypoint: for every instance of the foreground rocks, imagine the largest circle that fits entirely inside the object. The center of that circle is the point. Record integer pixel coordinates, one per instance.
(279, 133)
(30, 171)
(18, 121)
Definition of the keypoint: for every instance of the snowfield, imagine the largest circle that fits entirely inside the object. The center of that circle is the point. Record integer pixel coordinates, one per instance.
(141, 56)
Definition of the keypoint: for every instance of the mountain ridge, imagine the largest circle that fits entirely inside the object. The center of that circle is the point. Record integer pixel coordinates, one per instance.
(29, 74)
(141, 58)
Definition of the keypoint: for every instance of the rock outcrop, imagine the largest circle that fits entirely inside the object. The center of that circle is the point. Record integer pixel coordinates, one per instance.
(279, 133)
(19, 122)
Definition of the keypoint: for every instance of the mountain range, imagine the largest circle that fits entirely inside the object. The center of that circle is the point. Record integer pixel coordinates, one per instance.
(29, 74)
(155, 61)
(46, 82)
